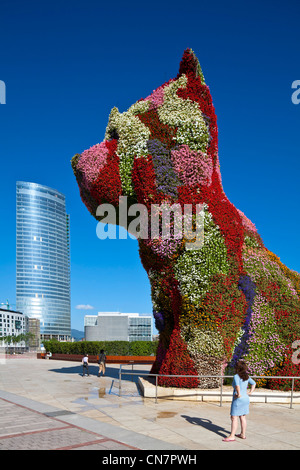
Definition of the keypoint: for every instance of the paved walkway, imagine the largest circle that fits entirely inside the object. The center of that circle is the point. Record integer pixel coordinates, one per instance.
(49, 405)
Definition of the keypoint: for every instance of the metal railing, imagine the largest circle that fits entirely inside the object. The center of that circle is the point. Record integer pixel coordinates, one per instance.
(221, 377)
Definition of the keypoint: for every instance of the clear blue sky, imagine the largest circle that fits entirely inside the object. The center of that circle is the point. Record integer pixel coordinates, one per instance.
(67, 63)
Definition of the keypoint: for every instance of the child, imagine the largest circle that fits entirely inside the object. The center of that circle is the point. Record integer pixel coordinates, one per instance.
(85, 364)
(101, 362)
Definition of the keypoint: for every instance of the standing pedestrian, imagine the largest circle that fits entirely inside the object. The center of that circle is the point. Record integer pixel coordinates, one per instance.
(240, 400)
(102, 362)
(85, 365)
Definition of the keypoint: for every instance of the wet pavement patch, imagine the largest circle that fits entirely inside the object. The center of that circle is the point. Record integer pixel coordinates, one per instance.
(54, 414)
(101, 392)
(166, 414)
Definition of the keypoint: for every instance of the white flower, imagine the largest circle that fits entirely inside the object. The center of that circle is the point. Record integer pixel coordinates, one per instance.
(186, 115)
(203, 343)
(132, 140)
(194, 268)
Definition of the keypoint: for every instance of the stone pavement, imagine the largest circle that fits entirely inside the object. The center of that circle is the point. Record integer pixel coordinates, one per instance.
(23, 428)
(47, 404)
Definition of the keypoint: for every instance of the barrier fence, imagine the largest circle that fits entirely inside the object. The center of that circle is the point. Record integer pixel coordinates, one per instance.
(221, 377)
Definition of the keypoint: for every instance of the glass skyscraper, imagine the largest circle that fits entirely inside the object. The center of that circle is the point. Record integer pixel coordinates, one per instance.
(43, 259)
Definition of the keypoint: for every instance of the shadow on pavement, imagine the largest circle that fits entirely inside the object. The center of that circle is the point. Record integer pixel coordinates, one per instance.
(111, 372)
(207, 424)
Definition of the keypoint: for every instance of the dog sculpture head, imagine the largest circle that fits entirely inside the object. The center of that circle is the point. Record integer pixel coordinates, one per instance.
(164, 149)
(159, 146)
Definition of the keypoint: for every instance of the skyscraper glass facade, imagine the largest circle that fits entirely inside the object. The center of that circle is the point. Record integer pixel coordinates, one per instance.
(43, 259)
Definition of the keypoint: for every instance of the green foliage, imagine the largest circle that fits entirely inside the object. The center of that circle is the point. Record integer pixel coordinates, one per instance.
(111, 348)
(195, 268)
(142, 348)
(11, 339)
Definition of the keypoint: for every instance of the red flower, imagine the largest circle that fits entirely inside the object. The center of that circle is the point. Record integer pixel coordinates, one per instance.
(288, 369)
(158, 130)
(178, 362)
(107, 188)
(143, 177)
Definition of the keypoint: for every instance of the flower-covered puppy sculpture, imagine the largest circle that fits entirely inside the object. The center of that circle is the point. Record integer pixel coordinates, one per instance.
(229, 297)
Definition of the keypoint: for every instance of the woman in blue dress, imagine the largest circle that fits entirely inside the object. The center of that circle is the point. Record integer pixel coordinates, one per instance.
(240, 400)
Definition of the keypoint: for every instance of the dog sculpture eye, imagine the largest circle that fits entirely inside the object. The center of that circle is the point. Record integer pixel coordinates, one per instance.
(113, 134)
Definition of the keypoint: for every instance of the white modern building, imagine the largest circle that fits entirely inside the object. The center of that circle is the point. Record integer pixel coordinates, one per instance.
(12, 324)
(15, 324)
(117, 326)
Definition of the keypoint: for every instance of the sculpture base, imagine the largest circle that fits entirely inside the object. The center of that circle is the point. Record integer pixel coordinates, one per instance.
(261, 395)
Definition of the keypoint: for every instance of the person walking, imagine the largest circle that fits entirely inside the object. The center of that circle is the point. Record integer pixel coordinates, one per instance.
(85, 365)
(240, 401)
(102, 362)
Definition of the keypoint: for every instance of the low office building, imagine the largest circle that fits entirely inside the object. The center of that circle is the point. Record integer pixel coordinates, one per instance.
(12, 324)
(15, 324)
(117, 326)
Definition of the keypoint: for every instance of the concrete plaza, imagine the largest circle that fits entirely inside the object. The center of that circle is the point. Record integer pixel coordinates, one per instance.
(47, 404)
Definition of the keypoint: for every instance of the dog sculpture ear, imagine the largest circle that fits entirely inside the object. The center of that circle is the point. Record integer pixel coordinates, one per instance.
(190, 66)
